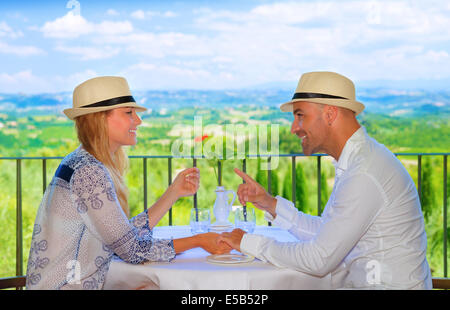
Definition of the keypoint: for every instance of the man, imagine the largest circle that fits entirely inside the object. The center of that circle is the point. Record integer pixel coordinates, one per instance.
(371, 232)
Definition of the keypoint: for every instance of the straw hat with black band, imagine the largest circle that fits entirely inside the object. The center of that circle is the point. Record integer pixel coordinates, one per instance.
(327, 88)
(101, 94)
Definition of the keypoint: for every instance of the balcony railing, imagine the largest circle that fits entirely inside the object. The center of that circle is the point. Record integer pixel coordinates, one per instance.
(19, 160)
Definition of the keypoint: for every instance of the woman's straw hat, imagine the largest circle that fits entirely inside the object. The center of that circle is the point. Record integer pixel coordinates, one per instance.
(326, 88)
(101, 94)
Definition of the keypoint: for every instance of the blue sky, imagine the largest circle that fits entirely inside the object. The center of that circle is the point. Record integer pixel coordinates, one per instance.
(46, 46)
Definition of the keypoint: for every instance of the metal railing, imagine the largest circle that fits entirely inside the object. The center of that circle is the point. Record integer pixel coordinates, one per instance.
(19, 160)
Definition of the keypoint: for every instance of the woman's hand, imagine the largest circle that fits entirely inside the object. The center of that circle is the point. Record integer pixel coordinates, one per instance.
(211, 243)
(186, 182)
(233, 239)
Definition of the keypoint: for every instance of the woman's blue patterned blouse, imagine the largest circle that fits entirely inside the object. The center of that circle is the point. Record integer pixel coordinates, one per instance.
(80, 226)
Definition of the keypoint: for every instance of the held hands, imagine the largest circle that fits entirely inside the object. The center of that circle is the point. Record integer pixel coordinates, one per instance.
(211, 243)
(252, 191)
(208, 241)
(223, 243)
(233, 239)
(186, 182)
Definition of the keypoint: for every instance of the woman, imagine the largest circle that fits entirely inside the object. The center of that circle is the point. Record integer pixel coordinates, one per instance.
(83, 218)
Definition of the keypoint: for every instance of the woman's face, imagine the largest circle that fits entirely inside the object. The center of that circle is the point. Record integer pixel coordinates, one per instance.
(122, 127)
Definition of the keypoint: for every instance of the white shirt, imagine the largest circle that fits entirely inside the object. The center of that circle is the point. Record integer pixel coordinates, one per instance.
(371, 233)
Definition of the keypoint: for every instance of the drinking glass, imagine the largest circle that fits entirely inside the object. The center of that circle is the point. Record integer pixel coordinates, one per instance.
(245, 219)
(200, 220)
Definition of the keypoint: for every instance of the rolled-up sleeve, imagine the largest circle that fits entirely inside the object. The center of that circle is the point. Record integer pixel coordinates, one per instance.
(94, 197)
(356, 203)
(303, 226)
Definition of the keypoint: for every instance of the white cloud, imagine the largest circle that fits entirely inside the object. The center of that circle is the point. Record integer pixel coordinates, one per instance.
(112, 12)
(20, 50)
(69, 26)
(155, 76)
(21, 81)
(7, 31)
(90, 53)
(169, 14)
(366, 39)
(437, 56)
(376, 39)
(402, 63)
(113, 28)
(69, 82)
(160, 45)
(139, 14)
(27, 81)
(145, 15)
(8, 78)
(73, 25)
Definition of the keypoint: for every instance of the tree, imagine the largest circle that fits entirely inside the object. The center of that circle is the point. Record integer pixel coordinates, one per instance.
(428, 196)
(287, 186)
(274, 183)
(323, 190)
(261, 178)
(301, 198)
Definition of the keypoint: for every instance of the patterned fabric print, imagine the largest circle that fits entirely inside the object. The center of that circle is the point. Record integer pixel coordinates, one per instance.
(143, 248)
(97, 280)
(140, 221)
(35, 262)
(85, 187)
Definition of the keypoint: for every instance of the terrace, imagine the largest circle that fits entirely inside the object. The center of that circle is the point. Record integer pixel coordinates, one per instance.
(17, 280)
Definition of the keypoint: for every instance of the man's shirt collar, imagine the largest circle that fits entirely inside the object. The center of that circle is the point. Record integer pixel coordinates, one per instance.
(343, 162)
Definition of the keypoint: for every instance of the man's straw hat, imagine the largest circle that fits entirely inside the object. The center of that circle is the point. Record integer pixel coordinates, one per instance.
(326, 88)
(101, 94)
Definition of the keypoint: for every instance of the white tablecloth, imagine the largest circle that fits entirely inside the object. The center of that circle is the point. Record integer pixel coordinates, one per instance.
(190, 270)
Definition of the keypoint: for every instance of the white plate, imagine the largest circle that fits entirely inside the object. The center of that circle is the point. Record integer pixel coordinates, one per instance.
(229, 258)
(220, 227)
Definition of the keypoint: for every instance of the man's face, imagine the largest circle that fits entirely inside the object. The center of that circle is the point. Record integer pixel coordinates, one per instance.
(309, 125)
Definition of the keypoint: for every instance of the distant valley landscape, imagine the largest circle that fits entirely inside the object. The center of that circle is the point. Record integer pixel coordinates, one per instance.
(377, 100)
(405, 120)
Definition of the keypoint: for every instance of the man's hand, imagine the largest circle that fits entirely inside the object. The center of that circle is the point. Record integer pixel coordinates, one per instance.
(211, 243)
(233, 239)
(252, 191)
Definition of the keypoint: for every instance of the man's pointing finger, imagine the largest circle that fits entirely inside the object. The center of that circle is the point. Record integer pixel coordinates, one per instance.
(244, 176)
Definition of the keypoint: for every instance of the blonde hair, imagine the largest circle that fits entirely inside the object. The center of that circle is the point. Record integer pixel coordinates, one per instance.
(92, 131)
